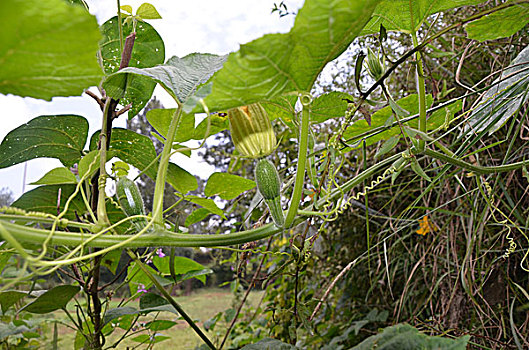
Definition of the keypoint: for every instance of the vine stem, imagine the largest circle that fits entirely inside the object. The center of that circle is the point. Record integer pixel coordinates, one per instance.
(421, 89)
(306, 100)
(171, 300)
(157, 208)
(102, 218)
(160, 237)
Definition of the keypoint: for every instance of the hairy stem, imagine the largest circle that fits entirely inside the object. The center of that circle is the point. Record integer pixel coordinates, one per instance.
(302, 160)
(421, 89)
(157, 208)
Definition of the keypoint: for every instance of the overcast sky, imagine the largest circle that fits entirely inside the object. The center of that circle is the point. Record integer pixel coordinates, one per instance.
(210, 26)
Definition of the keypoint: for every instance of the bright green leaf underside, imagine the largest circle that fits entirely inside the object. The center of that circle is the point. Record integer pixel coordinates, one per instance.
(47, 48)
(227, 186)
(180, 77)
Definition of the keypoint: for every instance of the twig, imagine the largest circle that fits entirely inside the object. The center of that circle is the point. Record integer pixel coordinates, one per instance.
(123, 110)
(95, 97)
(254, 279)
(331, 286)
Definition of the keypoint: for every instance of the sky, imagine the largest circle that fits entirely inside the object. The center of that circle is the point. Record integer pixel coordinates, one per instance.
(208, 26)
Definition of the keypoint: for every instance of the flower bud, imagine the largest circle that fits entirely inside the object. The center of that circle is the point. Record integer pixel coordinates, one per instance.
(374, 67)
(251, 131)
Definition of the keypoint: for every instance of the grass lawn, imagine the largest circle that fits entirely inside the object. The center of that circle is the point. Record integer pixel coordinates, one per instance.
(200, 305)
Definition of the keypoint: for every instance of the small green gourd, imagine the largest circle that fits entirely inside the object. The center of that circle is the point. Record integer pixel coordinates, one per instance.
(130, 200)
(269, 185)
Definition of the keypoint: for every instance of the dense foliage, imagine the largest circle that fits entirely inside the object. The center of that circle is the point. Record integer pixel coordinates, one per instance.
(401, 215)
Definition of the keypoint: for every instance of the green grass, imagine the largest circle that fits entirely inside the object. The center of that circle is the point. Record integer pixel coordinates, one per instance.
(201, 305)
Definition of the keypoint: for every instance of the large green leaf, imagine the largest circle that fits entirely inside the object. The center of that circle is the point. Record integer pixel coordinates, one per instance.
(54, 299)
(499, 24)
(47, 48)
(281, 63)
(180, 77)
(139, 151)
(148, 51)
(407, 16)
(227, 186)
(50, 136)
(404, 336)
(503, 99)
(44, 199)
(409, 103)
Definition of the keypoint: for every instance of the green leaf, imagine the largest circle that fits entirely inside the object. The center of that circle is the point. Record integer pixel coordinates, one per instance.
(47, 49)
(138, 150)
(279, 63)
(111, 259)
(404, 336)
(145, 338)
(395, 15)
(44, 199)
(161, 118)
(150, 302)
(388, 145)
(499, 24)
(53, 136)
(148, 11)
(227, 186)
(160, 325)
(196, 216)
(180, 77)
(416, 167)
(118, 312)
(89, 162)
(206, 203)
(503, 99)
(198, 274)
(9, 298)
(126, 8)
(331, 105)
(54, 299)
(217, 124)
(148, 51)
(57, 176)
(182, 265)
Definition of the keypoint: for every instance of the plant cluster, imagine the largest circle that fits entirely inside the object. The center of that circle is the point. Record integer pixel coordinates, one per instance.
(385, 202)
